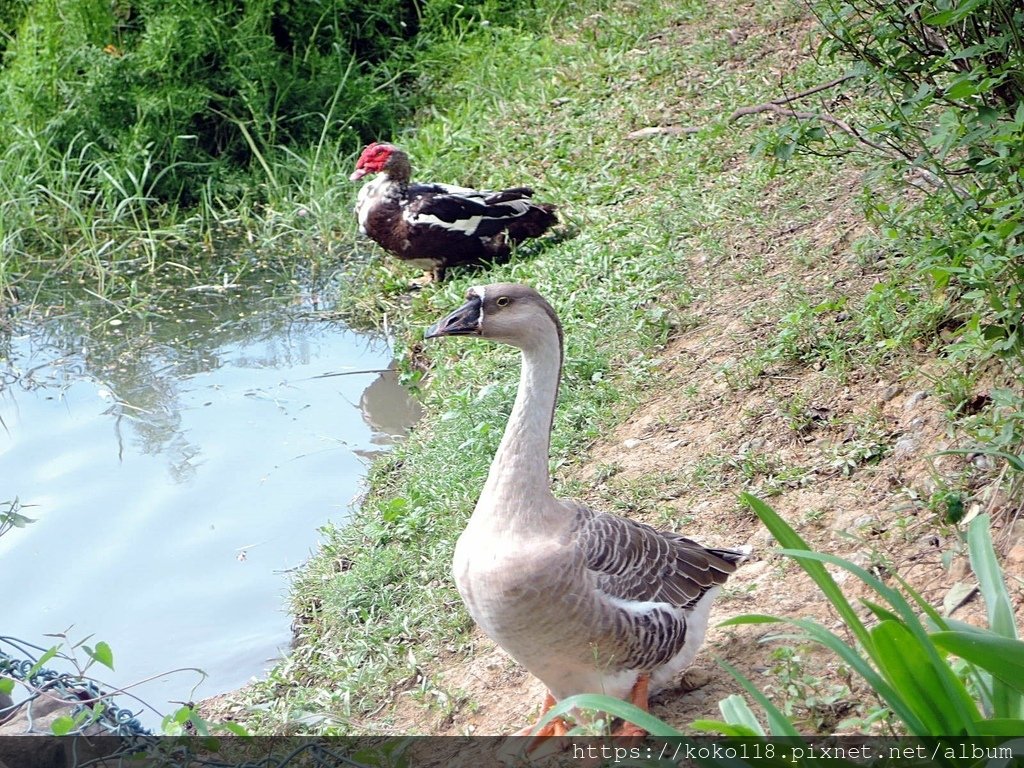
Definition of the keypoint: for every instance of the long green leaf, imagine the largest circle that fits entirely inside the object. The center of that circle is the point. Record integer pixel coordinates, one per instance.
(778, 723)
(908, 667)
(967, 714)
(999, 656)
(1006, 701)
(990, 578)
(1001, 726)
(859, 664)
(789, 538)
(595, 702)
(736, 712)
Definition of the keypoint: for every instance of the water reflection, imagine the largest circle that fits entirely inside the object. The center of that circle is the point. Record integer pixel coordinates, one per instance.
(180, 457)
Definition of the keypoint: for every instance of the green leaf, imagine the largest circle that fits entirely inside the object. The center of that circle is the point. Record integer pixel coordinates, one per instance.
(891, 696)
(1000, 656)
(616, 707)
(953, 689)
(778, 723)
(1006, 699)
(986, 567)
(101, 653)
(736, 712)
(236, 728)
(6, 685)
(62, 726)
(1001, 726)
(910, 671)
(789, 538)
(49, 654)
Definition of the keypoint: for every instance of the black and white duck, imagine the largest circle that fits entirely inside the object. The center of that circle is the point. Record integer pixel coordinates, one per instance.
(436, 226)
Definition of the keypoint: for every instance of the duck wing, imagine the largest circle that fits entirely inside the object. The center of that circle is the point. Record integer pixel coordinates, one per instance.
(634, 562)
(472, 213)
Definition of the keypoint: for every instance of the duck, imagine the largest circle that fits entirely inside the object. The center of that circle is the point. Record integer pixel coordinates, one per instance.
(586, 601)
(437, 226)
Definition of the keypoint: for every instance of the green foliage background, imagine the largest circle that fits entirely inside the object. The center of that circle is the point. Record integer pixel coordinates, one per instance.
(169, 98)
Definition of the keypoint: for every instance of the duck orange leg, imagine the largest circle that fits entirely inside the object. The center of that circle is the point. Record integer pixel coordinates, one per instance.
(638, 697)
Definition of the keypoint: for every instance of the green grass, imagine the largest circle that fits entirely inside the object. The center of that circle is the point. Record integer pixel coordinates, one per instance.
(376, 604)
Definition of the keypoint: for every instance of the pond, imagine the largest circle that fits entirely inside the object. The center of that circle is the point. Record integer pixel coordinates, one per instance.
(178, 462)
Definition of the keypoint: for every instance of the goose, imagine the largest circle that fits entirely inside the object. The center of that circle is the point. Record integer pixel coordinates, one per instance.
(586, 601)
(436, 226)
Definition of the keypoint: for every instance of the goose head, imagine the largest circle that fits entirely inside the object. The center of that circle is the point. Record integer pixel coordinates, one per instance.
(510, 313)
(382, 158)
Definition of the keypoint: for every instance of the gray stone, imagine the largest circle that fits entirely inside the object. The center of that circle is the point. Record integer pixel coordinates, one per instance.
(914, 400)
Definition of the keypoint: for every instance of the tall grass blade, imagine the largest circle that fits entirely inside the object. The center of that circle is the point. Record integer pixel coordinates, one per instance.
(1006, 701)
(966, 712)
(737, 713)
(990, 578)
(1001, 657)
(892, 697)
(908, 667)
(787, 537)
(778, 723)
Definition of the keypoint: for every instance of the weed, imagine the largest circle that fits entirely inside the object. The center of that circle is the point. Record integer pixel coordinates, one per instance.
(810, 702)
(867, 440)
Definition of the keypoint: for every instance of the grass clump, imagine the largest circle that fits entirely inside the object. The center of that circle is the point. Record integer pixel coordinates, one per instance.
(131, 129)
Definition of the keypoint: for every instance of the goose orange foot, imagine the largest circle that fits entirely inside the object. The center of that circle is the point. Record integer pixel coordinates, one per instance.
(638, 697)
(557, 727)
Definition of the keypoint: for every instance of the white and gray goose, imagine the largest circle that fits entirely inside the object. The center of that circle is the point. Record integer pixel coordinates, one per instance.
(587, 601)
(436, 226)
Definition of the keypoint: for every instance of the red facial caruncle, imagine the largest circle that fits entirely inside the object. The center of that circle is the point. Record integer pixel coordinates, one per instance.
(372, 160)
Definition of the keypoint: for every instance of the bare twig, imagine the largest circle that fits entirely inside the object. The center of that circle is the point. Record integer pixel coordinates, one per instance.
(812, 91)
(656, 130)
(800, 115)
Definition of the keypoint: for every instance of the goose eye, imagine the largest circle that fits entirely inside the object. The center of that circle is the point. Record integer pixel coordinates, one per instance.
(502, 301)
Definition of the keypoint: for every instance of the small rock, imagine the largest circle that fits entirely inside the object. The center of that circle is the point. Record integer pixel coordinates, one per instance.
(754, 445)
(984, 462)
(630, 443)
(906, 445)
(914, 400)
(1016, 554)
(1017, 531)
(959, 569)
(890, 392)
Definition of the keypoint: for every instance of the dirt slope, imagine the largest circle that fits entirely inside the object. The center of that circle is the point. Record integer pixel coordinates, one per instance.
(704, 435)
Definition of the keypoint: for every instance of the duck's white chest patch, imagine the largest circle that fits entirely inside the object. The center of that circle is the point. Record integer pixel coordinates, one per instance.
(369, 195)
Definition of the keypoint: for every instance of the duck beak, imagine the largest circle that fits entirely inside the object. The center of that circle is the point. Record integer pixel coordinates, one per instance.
(464, 321)
(357, 174)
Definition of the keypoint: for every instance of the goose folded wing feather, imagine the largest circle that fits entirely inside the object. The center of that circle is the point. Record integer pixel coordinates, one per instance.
(633, 561)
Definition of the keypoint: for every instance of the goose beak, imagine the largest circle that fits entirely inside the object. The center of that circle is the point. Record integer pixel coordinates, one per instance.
(357, 174)
(464, 321)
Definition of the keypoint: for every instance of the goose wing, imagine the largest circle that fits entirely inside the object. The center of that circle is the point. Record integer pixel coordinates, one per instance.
(634, 562)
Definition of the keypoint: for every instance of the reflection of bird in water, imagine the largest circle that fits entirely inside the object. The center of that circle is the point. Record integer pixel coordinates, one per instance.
(388, 409)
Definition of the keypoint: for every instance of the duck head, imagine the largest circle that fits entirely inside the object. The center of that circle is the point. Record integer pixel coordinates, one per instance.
(382, 157)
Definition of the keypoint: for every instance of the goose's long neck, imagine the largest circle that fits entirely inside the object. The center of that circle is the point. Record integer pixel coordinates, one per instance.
(519, 474)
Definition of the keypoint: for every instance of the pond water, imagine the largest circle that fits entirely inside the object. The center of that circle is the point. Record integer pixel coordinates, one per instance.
(178, 463)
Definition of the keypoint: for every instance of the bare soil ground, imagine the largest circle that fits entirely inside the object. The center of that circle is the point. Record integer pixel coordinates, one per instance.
(698, 418)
